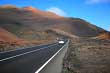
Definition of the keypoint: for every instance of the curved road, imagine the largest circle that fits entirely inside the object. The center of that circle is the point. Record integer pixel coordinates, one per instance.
(27, 60)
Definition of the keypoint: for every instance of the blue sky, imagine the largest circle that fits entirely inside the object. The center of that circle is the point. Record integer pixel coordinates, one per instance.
(96, 12)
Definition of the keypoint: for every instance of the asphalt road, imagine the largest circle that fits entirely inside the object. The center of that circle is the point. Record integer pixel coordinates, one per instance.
(27, 60)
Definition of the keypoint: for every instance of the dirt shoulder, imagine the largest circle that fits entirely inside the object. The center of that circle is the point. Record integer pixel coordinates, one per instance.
(87, 56)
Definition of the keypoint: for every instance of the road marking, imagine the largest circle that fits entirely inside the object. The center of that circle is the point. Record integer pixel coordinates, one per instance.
(50, 58)
(24, 48)
(25, 53)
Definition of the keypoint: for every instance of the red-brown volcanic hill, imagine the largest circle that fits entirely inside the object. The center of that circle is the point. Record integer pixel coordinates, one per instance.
(26, 19)
(40, 13)
(78, 27)
(7, 36)
(104, 36)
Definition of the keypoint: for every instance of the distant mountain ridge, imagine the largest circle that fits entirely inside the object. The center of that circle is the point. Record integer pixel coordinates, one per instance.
(39, 12)
(19, 21)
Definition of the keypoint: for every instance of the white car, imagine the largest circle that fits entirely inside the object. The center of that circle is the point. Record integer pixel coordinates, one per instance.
(61, 42)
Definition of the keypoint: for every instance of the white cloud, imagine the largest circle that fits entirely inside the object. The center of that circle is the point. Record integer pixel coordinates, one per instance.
(57, 11)
(109, 29)
(97, 1)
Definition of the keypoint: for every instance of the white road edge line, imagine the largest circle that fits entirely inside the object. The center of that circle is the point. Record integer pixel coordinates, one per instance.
(50, 59)
(25, 53)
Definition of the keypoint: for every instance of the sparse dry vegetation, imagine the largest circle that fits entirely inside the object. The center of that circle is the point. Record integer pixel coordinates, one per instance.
(87, 56)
